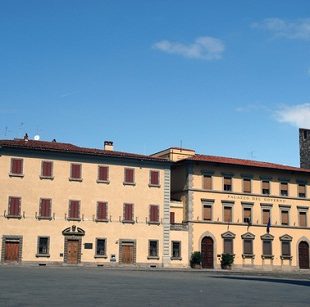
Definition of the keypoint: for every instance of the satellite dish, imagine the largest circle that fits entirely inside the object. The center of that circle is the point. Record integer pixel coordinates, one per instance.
(37, 137)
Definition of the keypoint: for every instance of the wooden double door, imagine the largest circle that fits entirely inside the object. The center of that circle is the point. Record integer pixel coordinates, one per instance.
(73, 251)
(11, 253)
(207, 253)
(303, 254)
(127, 253)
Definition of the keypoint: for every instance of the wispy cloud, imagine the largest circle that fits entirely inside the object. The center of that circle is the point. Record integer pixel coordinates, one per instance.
(297, 29)
(297, 115)
(205, 48)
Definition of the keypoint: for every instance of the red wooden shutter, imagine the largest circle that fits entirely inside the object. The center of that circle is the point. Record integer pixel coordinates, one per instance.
(47, 169)
(128, 212)
(302, 219)
(129, 175)
(247, 185)
(76, 171)
(17, 166)
(172, 218)
(284, 217)
(154, 213)
(45, 208)
(207, 212)
(102, 211)
(154, 177)
(266, 214)
(227, 214)
(14, 206)
(74, 209)
(103, 172)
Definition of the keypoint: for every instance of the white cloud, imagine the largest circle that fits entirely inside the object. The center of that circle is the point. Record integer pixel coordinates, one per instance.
(297, 115)
(298, 29)
(205, 47)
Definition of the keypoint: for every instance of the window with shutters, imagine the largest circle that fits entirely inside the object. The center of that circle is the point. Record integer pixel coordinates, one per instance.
(74, 210)
(228, 246)
(43, 247)
(154, 214)
(172, 217)
(227, 184)
(101, 248)
(227, 214)
(286, 247)
(76, 172)
(207, 182)
(301, 190)
(267, 246)
(16, 167)
(154, 179)
(248, 247)
(45, 209)
(283, 188)
(265, 187)
(129, 176)
(14, 209)
(265, 216)
(247, 215)
(284, 217)
(102, 212)
(46, 170)
(128, 213)
(153, 249)
(246, 185)
(207, 212)
(302, 218)
(103, 174)
(176, 250)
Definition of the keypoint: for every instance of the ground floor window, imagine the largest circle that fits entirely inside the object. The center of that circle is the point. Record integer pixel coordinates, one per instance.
(286, 246)
(43, 246)
(267, 246)
(153, 249)
(100, 247)
(176, 250)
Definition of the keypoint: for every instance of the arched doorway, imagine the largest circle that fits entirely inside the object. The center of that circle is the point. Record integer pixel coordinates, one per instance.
(207, 253)
(303, 252)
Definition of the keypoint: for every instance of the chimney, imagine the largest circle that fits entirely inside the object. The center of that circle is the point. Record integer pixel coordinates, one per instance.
(108, 145)
(304, 148)
(26, 138)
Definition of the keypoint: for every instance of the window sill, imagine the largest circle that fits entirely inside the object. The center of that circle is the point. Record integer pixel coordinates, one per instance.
(47, 177)
(14, 217)
(129, 183)
(250, 256)
(154, 223)
(176, 258)
(101, 256)
(16, 175)
(43, 255)
(101, 220)
(268, 257)
(76, 179)
(48, 218)
(154, 185)
(128, 221)
(103, 181)
(73, 219)
(153, 258)
(286, 257)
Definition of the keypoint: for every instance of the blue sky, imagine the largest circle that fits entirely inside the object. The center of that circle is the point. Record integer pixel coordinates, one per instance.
(228, 78)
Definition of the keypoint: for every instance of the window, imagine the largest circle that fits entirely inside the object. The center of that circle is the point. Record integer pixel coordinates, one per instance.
(128, 213)
(284, 217)
(301, 190)
(46, 169)
(45, 210)
(100, 247)
(246, 185)
(207, 212)
(266, 216)
(16, 167)
(153, 249)
(103, 173)
(248, 239)
(154, 178)
(129, 176)
(176, 250)
(286, 247)
(302, 218)
(43, 247)
(227, 214)
(284, 189)
(172, 218)
(247, 215)
(154, 214)
(228, 246)
(267, 246)
(14, 207)
(207, 182)
(102, 211)
(227, 184)
(265, 187)
(76, 172)
(74, 210)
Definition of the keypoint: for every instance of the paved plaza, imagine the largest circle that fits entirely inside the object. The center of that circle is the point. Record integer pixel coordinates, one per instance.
(97, 286)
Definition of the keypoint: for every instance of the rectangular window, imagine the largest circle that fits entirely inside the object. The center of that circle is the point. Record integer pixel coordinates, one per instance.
(76, 171)
(265, 187)
(16, 167)
(302, 219)
(248, 247)
(100, 247)
(74, 210)
(227, 214)
(43, 246)
(284, 217)
(154, 214)
(129, 176)
(45, 210)
(286, 248)
(102, 211)
(207, 212)
(228, 246)
(103, 173)
(172, 218)
(154, 178)
(247, 215)
(207, 182)
(153, 249)
(46, 169)
(227, 184)
(128, 213)
(267, 248)
(284, 189)
(266, 215)
(246, 185)
(14, 209)
(176, 249)
(301, 190)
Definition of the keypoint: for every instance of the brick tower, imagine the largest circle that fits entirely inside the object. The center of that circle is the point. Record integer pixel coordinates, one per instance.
(304, 147)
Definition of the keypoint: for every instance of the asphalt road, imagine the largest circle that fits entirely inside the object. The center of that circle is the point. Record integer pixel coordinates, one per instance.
(82, 286)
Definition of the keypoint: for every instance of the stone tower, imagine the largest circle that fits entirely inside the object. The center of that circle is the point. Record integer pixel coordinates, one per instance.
(304, 147)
